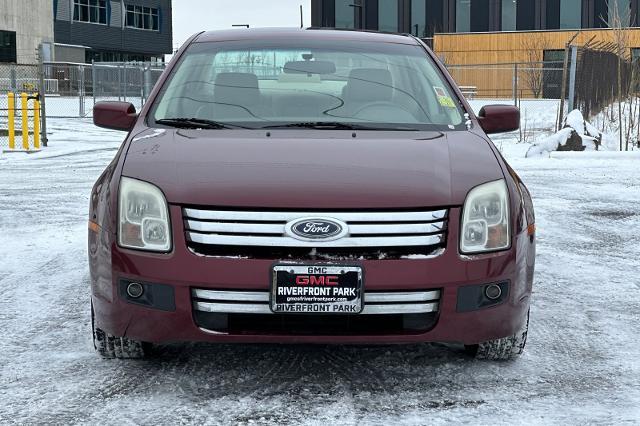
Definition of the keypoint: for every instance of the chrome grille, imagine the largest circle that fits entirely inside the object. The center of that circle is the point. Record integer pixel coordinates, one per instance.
(267, 229)
(257, 302)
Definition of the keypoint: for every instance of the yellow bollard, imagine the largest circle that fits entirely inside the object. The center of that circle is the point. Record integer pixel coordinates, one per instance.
(36, 123)
(11, 116)
(25, 122)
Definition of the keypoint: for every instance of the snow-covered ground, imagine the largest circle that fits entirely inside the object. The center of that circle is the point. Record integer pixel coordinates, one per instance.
(581, 365)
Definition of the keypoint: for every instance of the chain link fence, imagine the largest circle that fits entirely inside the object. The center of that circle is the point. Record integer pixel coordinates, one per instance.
(79, 86)
(534, 87)
(536, 80)
(73, 89)
(16, 80)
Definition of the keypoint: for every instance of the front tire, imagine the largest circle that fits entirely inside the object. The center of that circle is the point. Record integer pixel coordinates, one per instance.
(110, 347)
(504, 349)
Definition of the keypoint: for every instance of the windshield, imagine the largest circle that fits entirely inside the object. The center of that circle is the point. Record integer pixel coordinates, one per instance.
(320, 84)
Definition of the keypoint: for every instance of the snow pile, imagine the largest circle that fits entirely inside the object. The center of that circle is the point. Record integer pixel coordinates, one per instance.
(551, 143)
(574, 122)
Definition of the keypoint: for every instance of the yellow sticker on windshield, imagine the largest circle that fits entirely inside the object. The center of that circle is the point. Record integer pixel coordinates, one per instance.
(446, 101)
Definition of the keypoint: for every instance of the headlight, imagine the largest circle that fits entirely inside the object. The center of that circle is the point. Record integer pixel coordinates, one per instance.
(485, 219)
(143, 216)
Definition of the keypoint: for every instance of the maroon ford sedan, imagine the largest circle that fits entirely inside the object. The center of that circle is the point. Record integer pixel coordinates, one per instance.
(309, 186)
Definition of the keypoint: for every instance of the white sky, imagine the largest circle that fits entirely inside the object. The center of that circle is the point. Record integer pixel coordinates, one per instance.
(191, 16)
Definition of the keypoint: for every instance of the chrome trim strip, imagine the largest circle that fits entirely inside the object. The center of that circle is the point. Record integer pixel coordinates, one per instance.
(398, 228)
(235, 296)
(270, 216)
(206, 330)
(263, 296)
(233, 308)
(279, 241)
(261, 308)
(422, 296)
(410, 308)
(235, 228)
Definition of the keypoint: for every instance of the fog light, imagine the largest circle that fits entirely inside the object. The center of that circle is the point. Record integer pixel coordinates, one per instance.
(493, 291)
(135, 290)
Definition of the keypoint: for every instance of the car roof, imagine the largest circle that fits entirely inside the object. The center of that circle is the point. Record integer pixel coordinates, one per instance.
(305, 34)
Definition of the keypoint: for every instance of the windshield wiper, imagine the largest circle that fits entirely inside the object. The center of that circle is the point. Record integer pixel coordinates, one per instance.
(193, 123)
(333, 125)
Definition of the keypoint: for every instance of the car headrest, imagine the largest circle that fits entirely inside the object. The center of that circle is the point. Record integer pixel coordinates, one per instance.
(237, 88)
(369, 85)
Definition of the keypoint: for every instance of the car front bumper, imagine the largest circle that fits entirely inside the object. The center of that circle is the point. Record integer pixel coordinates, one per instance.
(182, 272)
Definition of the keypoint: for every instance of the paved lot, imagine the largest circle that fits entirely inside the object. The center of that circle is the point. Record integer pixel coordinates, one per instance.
(582, 363)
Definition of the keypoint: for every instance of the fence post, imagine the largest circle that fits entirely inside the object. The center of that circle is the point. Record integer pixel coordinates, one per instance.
(141, 69)
(124, 78)
(36, 122)
(25, 121)
(42, 92)
(12, 76)
(119, 83)
(80, 87)
(515, 84)
(93, 80)
(563, 90)
(572, 77)
(12, 118)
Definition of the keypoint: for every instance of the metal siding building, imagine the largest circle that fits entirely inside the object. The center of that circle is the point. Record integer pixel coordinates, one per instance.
(481, 40)
(108, 34)
(424, 18)
(24, 25)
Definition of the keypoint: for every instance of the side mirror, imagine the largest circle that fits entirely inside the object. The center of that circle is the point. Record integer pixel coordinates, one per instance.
(114, 115)
(499, 118)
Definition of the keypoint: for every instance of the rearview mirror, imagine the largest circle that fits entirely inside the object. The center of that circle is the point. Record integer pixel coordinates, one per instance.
(309, 67)
(114, 115)
(499, 118)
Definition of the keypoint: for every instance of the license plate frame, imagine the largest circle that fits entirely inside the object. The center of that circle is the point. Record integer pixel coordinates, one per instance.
(348, 279)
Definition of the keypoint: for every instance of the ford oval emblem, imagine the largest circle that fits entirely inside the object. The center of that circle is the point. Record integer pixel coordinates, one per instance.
(316, 228)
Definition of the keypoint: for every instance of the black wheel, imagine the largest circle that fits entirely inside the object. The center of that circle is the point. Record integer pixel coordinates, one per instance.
(503, 349)
(110, 347)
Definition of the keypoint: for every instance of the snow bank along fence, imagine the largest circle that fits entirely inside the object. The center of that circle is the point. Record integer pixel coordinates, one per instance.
(79, 86)
(21, 110)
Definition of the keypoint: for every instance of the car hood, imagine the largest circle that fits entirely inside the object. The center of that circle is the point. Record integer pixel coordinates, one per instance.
(312, 169)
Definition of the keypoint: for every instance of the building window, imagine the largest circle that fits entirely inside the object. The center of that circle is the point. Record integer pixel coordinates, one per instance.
(472, 15)
(570, 14)
(613, 13)
(93, 11)
(525, 15)
(508, 18)
(345, 14)
(564, 14)
(419, 18)
(463, 16)
(388, 15)
(427, 17)
(143, 18)
(619, 13)
(8, 50)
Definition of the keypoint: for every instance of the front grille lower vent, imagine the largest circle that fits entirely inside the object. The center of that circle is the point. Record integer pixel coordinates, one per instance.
(248, 312)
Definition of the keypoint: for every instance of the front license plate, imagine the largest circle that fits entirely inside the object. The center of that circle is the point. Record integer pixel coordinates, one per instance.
(316, 289)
